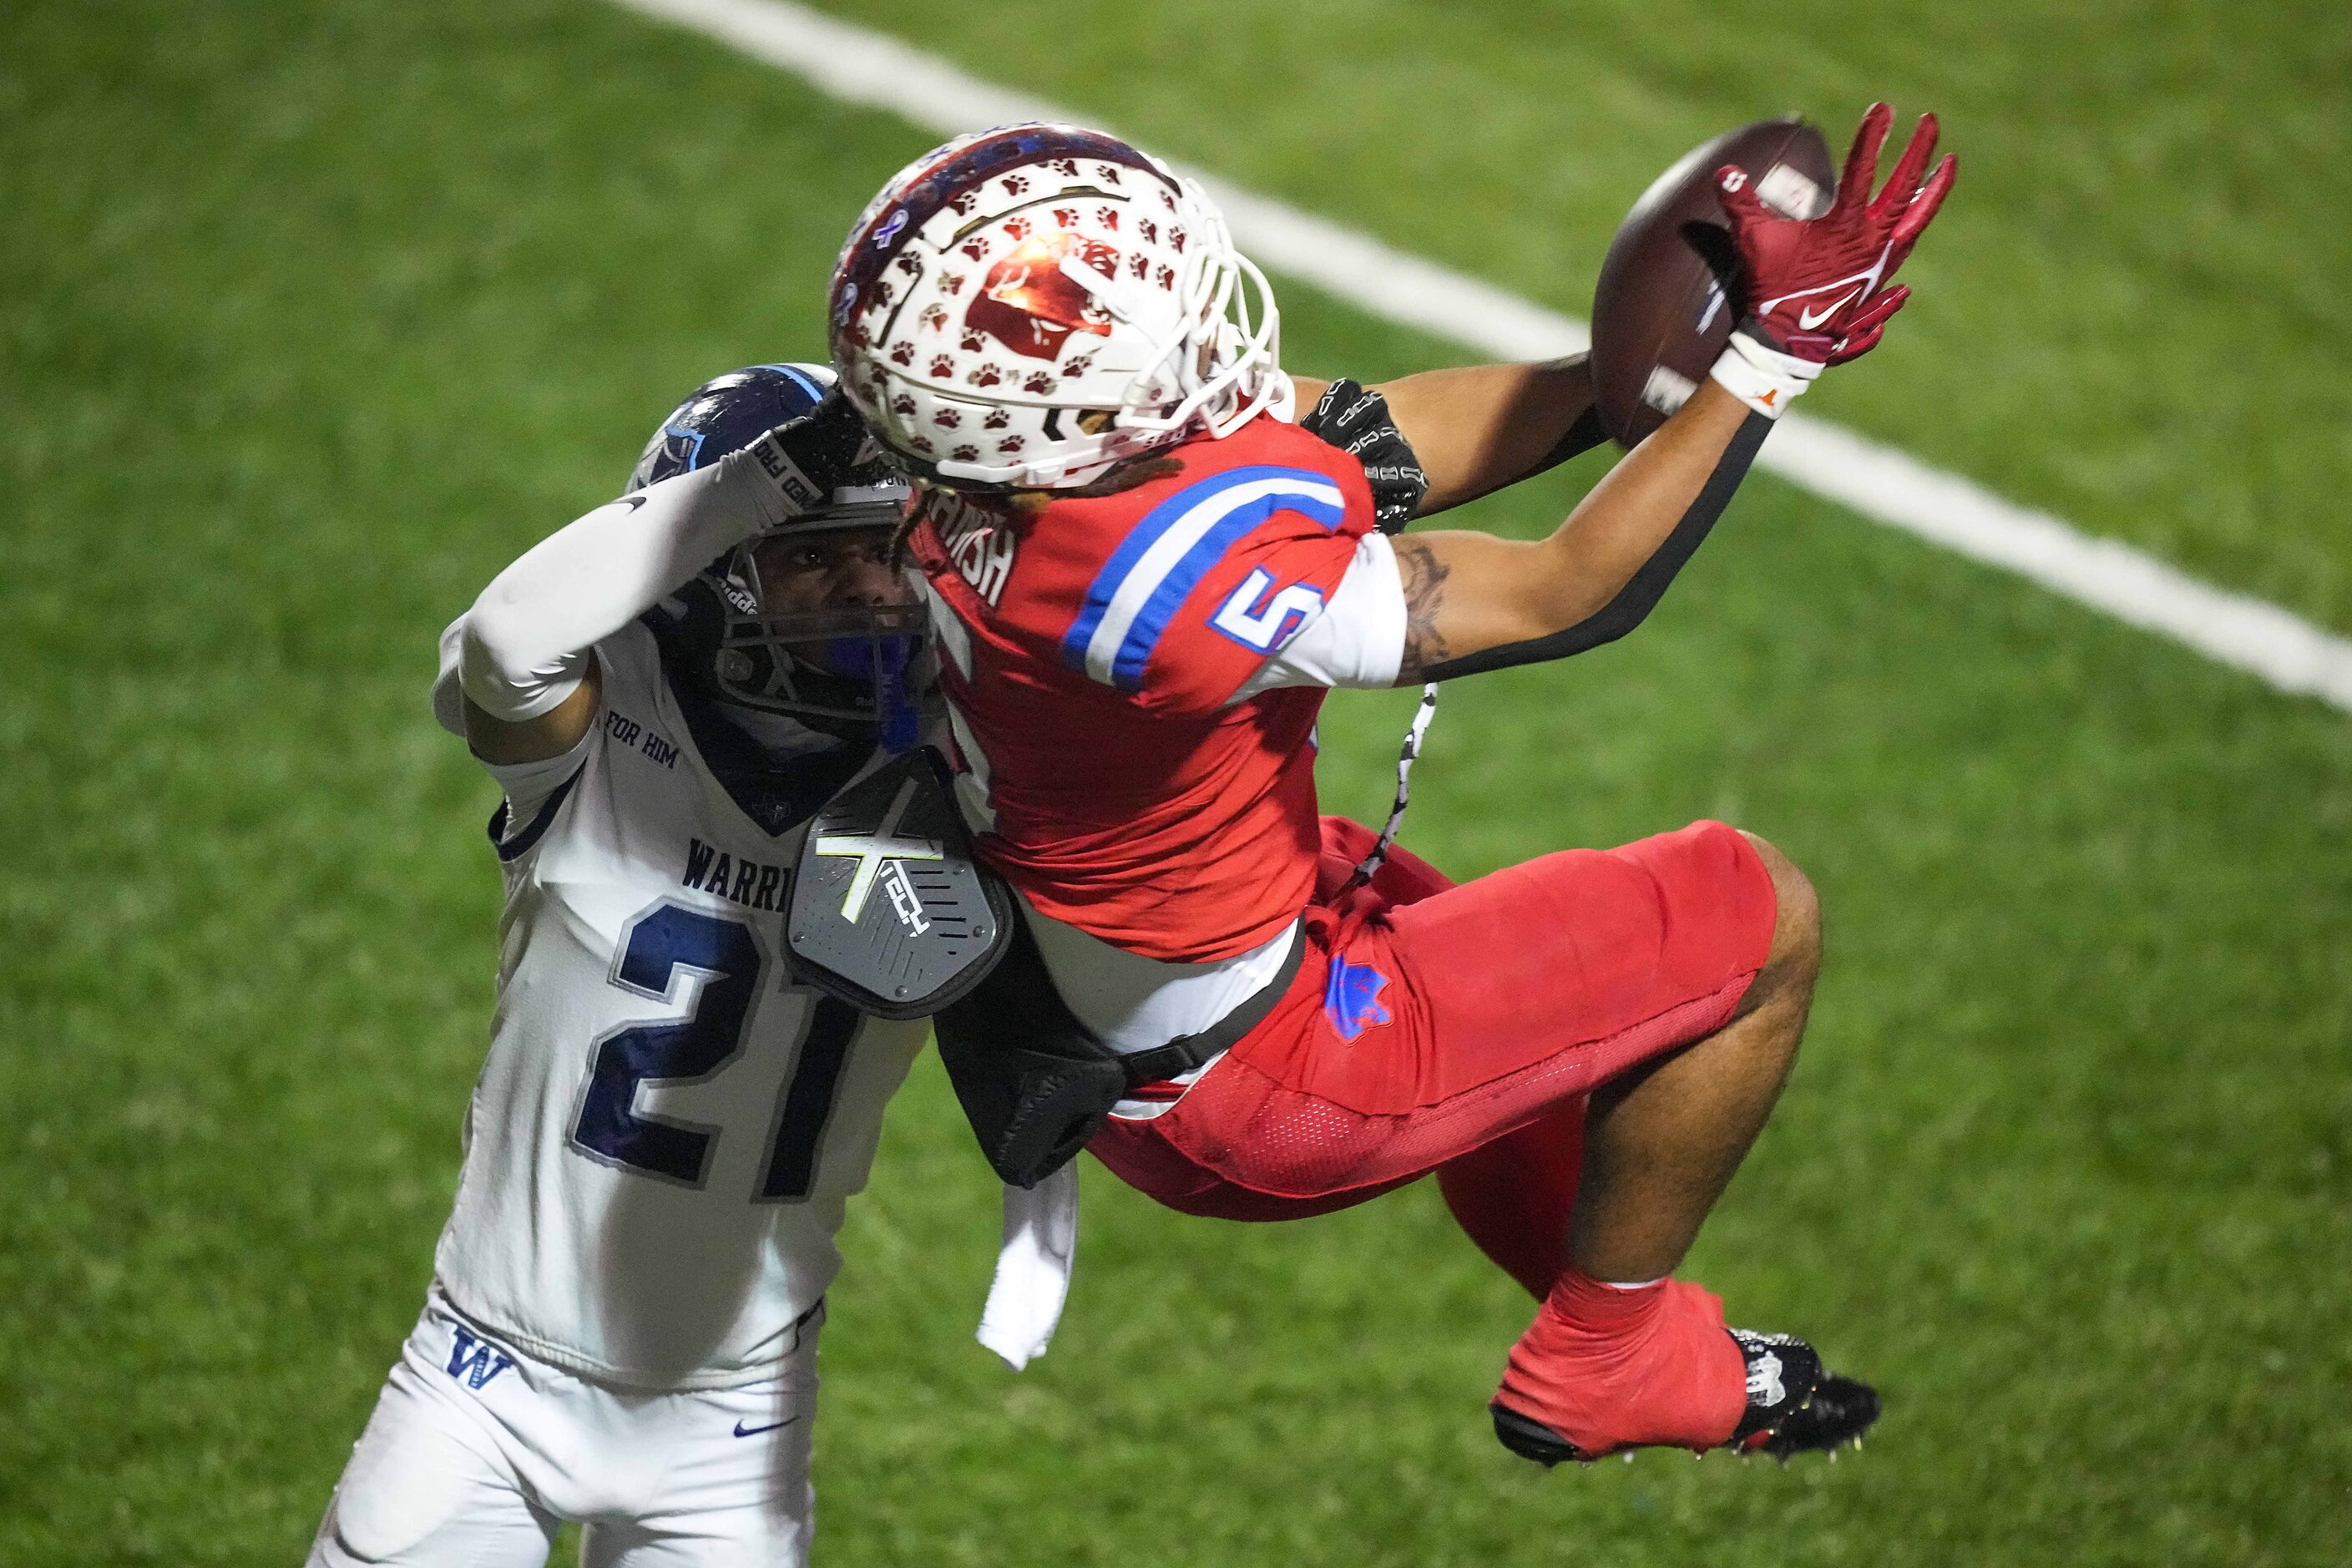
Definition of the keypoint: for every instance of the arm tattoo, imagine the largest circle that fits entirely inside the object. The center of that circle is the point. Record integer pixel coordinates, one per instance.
(1424, 591)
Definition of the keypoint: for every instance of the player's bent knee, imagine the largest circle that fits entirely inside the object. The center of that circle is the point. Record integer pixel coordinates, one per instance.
(1796, 953)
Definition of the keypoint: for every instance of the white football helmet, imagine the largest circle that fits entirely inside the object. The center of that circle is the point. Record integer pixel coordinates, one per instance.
(1026, 307)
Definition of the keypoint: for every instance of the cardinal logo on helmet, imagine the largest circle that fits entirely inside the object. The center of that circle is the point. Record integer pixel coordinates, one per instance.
(1030, 306)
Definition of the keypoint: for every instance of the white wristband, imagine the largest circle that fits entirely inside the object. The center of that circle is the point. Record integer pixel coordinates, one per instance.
(1762, 376)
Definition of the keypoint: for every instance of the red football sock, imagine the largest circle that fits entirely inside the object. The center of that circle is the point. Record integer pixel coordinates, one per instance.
(1608, 1369)
(1512, 1196)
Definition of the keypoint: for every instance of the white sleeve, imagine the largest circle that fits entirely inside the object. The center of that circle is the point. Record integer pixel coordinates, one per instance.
(526, 784)
(523, 648)
(1358, 640)
(448, 697)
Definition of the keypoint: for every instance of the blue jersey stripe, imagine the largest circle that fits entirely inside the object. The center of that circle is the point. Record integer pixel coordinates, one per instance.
(1293, 489)
(1140, 538)
(519, 845)
(1135, 648)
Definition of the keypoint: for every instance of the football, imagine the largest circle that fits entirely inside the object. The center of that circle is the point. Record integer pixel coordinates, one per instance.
(1660, 312)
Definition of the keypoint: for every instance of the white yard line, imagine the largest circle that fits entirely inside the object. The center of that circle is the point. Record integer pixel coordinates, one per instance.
(1880, 482)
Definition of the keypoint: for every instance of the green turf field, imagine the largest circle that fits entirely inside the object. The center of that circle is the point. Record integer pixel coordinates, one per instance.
(311, 316)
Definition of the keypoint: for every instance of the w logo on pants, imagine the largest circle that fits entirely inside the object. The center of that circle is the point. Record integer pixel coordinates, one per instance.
(476, 1361)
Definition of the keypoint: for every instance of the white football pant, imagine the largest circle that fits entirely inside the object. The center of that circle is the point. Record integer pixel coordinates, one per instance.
(476, 1453)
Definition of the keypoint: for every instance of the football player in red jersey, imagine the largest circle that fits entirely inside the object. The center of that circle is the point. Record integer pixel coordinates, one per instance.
(1145, 568)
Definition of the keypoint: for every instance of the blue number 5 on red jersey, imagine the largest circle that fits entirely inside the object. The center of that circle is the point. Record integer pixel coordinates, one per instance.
(1164, 556)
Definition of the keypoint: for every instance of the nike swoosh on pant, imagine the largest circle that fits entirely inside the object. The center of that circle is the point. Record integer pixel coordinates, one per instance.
(743, 1431)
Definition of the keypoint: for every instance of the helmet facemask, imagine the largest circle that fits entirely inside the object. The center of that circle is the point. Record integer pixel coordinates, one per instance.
(1223, 354)
(827, 666)
(846, 671)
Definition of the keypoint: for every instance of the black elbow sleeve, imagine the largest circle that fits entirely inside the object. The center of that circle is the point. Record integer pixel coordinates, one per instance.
(1645, 587)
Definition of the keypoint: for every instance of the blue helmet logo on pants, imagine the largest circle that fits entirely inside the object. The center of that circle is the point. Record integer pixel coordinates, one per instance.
(1350, 997)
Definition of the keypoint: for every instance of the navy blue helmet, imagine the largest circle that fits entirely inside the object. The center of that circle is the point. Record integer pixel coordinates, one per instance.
(844, 671)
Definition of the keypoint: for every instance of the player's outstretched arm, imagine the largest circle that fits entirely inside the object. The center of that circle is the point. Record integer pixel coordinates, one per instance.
(1475, 430)
(525, 664)
(1813, 293)
(1478, 428)
(1474, 601)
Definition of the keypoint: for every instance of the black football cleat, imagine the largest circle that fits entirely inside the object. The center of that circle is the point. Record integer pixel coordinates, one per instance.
(1795, 1405)
(1533, 1439)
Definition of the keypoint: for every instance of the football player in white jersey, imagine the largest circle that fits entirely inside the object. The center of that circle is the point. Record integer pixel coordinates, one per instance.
(623, 1319)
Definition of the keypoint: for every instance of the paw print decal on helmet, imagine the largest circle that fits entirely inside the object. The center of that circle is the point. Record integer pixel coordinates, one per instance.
(1019, 276)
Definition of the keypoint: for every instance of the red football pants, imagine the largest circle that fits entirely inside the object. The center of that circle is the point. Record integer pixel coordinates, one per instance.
(1457, 1029)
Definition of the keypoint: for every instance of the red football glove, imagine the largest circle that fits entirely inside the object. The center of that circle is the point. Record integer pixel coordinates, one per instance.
(1816, 287)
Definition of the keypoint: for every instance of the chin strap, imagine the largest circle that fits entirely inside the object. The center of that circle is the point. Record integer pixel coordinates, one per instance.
(902, 722)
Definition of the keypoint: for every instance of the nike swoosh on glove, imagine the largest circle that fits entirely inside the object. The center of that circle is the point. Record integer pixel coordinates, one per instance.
(1817, 289)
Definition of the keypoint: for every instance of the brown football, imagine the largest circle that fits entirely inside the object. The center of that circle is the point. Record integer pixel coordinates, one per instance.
(1659, 316)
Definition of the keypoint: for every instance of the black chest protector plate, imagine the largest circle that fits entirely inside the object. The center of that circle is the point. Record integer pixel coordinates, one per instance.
(890, 910)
